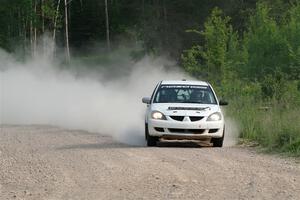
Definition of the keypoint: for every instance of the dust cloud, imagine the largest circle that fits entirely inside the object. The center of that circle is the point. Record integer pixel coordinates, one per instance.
(38, 91)
(232, 131)
(41, 91)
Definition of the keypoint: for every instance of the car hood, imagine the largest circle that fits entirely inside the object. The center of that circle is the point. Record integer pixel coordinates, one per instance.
(185, 109)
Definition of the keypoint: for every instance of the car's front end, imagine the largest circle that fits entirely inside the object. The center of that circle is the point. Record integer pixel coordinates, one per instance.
(180, 121)
(184, 110)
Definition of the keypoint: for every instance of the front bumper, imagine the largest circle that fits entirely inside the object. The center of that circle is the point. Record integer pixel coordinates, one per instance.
(186, 130)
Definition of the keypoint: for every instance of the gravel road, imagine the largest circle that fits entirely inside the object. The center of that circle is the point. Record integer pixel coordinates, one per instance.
(44, 162)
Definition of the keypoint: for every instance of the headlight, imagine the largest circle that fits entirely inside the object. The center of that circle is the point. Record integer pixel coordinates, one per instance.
(158, 115)
(215, 117)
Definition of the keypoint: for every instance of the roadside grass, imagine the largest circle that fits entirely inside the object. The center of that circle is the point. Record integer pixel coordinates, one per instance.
(275, 128)
(273, 124)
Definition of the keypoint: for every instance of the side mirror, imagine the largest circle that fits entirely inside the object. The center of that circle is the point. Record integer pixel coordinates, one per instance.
(223, 103)
(146, 100)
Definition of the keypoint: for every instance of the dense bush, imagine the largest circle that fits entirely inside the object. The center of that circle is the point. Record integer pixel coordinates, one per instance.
(257, 71)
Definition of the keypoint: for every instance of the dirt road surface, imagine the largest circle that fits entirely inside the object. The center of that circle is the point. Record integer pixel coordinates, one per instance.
(44, 162)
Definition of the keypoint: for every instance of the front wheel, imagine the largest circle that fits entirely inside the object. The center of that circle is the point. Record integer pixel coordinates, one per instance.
(151, 140)
(218, 142)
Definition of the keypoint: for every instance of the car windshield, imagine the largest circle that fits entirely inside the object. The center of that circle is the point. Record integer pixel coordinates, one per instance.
(184, 94)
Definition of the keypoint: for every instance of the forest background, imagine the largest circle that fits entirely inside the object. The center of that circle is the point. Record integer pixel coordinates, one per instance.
(249, 50)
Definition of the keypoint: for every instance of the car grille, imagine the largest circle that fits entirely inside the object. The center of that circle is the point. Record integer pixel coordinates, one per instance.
(180, 118)
(177, 118)
(194, 119)
(187, 131)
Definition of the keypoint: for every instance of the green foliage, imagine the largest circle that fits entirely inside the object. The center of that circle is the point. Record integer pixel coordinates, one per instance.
(19, 19)
(217, 33)
(274, 86)
(266, 46)
(211, 60)
(276, 129)
(274, 123)
(249, 51)
(48, 9)
(291, 31)
(258, 72)
(158, 26)
(191, 61)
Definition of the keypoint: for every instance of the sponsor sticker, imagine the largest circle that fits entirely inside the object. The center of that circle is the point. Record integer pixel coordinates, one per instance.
(184, 87)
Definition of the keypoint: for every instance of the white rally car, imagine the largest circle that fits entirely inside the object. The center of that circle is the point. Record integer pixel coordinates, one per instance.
(184, 110)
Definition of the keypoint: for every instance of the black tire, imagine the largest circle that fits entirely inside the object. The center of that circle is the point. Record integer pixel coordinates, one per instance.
(151, 141)
(218, 142)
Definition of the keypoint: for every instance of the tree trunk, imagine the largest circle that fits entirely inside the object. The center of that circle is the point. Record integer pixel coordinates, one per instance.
(25, 33)
(144, 18)
(19, 24)
(69, 13)
(67, 33)
(166, 33)
(31, 31)
(35, 30)
(43, 24)
(55, 20)
(43, 16)
(107, 26)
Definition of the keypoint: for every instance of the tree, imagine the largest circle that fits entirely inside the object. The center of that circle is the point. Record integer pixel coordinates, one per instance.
(266, 46)
(158, 25)
(210, 60)
(55, 19)
(67, 32)
(107, 26)
(291, 31)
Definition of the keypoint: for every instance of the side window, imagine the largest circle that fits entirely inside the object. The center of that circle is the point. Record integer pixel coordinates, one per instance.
(210, 98)
(211, 95)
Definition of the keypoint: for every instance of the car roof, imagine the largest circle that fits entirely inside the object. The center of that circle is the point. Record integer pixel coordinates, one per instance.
(183, 82)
